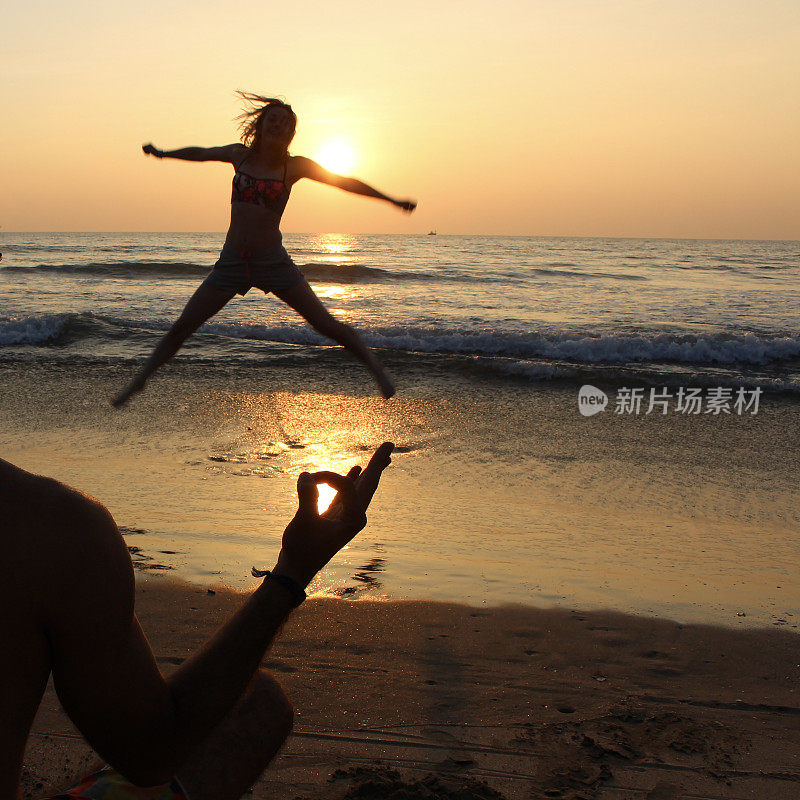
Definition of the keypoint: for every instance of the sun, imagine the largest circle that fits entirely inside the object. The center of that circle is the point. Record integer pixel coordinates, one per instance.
(337, 156)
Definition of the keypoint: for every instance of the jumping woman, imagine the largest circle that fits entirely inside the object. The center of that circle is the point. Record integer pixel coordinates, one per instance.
(253, 254)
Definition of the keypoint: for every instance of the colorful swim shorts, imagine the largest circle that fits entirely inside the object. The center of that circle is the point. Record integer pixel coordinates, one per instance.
(239, 271)
(108, 784)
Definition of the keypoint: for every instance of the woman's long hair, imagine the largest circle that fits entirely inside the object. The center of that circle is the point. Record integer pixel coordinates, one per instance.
(250, 118)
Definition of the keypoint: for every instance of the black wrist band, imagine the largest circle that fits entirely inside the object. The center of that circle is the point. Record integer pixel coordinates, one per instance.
(290, 584)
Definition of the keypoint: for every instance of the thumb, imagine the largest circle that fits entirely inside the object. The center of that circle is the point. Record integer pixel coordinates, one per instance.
(307, 493)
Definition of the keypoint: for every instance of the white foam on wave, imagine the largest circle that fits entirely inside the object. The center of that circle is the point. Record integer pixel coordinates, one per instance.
(682, 348)
(33, 329)
(695, 349)
(635, 376)
(523, 346)
(690, 349)
(285, 334)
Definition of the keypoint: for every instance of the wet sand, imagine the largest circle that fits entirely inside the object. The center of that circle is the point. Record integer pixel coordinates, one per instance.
(498, 492)
(416, 700)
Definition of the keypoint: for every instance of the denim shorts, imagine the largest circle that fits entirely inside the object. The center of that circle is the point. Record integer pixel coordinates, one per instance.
(239, 271)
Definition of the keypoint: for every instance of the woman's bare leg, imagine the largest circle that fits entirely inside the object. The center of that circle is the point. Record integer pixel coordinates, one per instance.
(202, 305)
(302, 299)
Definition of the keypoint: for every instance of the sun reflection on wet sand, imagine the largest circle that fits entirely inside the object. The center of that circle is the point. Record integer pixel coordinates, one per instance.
(238, 489)
(326, 495)
(290, 433)
(310, 432)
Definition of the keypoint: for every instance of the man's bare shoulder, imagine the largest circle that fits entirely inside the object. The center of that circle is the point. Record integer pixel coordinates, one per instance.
(66, 577)
(14, 479)
(40, 512)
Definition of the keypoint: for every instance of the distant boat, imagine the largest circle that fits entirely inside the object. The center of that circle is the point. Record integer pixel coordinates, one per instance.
(431, 233)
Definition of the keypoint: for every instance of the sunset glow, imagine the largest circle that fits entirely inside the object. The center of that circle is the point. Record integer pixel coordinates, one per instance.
(617, 119)
(337, 156)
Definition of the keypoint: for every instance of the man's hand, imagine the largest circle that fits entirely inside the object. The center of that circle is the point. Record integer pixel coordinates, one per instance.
(152, 150)
(312, 539)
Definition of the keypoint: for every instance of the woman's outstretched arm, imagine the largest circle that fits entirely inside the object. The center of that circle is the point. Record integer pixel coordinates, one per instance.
(306, 168)
(227, 153)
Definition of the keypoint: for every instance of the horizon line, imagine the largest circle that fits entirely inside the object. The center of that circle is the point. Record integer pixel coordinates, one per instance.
(436, 233)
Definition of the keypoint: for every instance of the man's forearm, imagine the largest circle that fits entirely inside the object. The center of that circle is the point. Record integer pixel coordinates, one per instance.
(209, 683)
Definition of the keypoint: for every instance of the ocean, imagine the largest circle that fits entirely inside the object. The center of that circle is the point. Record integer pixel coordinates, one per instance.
(501, 491)
(541, 308)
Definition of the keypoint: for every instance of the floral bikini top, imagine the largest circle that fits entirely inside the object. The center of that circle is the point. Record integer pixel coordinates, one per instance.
(268, 193)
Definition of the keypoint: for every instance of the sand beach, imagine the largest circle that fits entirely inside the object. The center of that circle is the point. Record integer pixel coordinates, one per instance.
(415, 699)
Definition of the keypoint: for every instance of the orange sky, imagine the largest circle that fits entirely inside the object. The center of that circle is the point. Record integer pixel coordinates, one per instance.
(530, 117)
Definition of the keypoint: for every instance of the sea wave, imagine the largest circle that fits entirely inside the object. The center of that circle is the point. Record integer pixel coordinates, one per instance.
(317, 272)
(756, 349)
(636, 375)
(122, 269)
(605, 348)
(314, 271)
(323, 272)
(33, 329)
(320, 272)
(571, 273)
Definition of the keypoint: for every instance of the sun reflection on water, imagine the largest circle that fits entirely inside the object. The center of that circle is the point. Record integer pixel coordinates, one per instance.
(333, 292)
(332, 261)
(337, 243)
(327, 258)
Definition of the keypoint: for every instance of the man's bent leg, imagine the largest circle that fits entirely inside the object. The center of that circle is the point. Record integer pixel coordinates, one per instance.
(239, 749)
(223, 767)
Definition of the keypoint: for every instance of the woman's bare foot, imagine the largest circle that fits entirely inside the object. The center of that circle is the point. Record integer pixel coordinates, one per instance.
(130, 390)
(385, 384)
